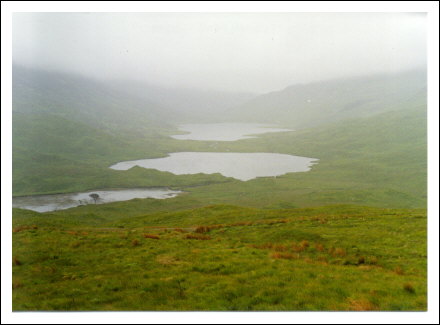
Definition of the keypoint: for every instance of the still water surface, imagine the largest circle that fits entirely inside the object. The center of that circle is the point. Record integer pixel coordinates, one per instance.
(224, 131)
(44, 203)
(242, 166)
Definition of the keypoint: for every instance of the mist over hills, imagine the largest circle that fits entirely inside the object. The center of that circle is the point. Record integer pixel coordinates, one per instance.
(191, 104)
(70, 126)
(140, 106)
(311, 104)
(125, 105)
(221, 161)
(85, 100)
(369, 135)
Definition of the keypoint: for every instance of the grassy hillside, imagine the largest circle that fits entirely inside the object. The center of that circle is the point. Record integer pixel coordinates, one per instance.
(306, 105)
(87, 101)
(301, 241)
(221, 258)
(52, 154)
(379, 161)
(193, 105)
(68, 130)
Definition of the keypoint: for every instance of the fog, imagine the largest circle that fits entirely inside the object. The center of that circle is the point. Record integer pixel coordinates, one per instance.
(226, 51)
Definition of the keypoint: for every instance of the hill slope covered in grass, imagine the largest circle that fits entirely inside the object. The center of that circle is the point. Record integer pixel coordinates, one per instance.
(85, 100)
(379, 161)
(193, 105)
(317, 103)
(222, 258)
(67, 131)
(300, 241)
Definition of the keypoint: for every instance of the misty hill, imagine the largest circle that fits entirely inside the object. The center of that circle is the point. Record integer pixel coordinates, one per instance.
(305, 105)
(192, 104)
(85, 100)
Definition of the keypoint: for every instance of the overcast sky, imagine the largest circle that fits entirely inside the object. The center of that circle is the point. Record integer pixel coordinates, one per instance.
(253, 52)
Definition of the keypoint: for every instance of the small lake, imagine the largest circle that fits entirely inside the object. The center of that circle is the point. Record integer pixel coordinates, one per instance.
(224, 131)
(242, 166)
(45, 203)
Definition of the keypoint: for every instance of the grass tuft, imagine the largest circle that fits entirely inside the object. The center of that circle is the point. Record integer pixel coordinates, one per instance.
(319, 247)
(202, 229)
(280, 248)
(151, 236)
(16, 261)
(166, 260)
(361, 305)
(398, 270)
(339, 252)
(21, 228)
(135, 242)
(197, 236)
(304, 244)
(16, 285)
(408, 287)
(287, 256)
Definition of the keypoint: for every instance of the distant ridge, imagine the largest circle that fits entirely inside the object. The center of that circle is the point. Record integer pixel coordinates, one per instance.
(305, 105)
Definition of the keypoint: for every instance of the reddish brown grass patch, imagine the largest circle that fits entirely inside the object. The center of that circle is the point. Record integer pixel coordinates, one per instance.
(21, 228)
(304, 244)
(280, 248)
(319, 247)
(135, 242)
(398, 270)
(16, 285)
(361, 305)
(297, 248)
(373, 260)
(339, 252)
(215, 226)
(202, 229)
(287, 256)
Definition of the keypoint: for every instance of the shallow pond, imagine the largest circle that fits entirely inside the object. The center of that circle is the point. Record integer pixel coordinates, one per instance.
(224, 131)
(242, 166)
(44, 203)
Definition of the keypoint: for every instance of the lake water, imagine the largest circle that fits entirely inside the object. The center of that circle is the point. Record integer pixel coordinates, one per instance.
(44, 203)
(242, 166)
(224, 131)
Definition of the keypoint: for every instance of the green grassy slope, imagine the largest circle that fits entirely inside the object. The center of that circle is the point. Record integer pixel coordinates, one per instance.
(305, 105)
(67, 131)
(379, 161)
(225, 244)
(222, 258)
(52, 154)
(87, 101)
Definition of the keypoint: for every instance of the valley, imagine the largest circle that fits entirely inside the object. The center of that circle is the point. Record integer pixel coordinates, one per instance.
(345, 231)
